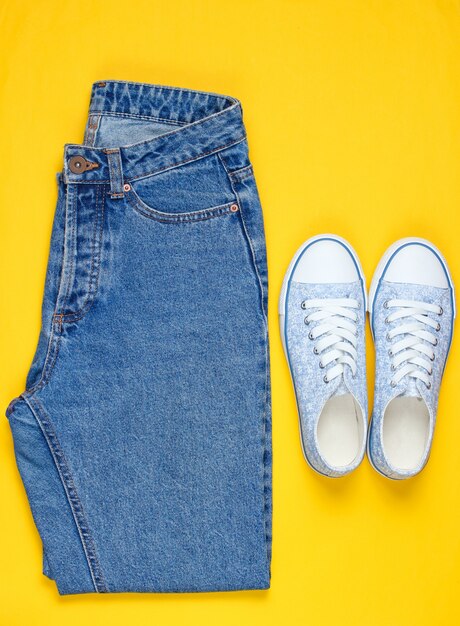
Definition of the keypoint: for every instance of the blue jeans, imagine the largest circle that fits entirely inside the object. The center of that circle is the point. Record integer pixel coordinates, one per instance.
(143, 437)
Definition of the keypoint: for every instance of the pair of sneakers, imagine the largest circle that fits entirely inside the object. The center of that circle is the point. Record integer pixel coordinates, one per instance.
(322, 308)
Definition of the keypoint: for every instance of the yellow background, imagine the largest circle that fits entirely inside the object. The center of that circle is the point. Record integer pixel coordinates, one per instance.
(353, 115)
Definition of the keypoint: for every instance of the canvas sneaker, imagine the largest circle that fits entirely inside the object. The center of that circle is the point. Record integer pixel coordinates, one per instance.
(322, 309)
(412, 311)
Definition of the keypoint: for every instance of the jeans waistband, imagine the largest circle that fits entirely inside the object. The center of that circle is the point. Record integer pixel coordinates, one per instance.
(202, 123)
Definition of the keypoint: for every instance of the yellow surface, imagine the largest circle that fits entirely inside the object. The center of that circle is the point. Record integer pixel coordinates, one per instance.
(352, 111)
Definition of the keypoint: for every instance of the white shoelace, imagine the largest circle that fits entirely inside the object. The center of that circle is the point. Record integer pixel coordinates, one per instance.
(415, 351)
(338, 332)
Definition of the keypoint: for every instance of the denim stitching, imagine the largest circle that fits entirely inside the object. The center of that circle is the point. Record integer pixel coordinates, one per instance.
(196, 158)
(148, 118)
(262, 291)
(243, 173)
(162, 169)
(202, 121)
(180, 218)
(267, 481)
(91, 129)
(72, 496)
(264, 315)
(137, 85)
(56, 319)
(95, 261)
(51, 355)
(72, 247)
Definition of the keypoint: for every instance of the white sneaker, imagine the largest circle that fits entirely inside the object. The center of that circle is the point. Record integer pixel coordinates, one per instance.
(412, 311)
(322, 310)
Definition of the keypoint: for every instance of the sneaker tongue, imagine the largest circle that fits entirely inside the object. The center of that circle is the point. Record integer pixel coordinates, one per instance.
(411, 390)
(341, 389)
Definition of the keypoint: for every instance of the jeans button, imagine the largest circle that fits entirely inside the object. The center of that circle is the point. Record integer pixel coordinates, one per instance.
(77, 164)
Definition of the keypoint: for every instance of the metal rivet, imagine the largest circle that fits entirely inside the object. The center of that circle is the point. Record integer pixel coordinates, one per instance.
(234, 208)
(126, 187)
(77, 164)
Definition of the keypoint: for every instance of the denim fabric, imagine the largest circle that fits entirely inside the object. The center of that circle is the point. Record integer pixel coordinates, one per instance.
(384, 392)
(143, 437)
(311, 391)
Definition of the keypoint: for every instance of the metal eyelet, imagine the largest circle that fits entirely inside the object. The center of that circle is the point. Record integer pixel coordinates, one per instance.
(432, 358)
(321, 365)
(386, 320)
(392, 383)
(388, 338)
(393, 368)
(390, 352)
(428, 386)
(306, 321)
(325, 378)
(435, 342)
(438, 327)
(441, 310)
(315, 350)
(310, 335)
(385, 304)
(303, 305)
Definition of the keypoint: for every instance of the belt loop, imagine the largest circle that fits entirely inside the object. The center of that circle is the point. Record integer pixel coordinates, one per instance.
(116, 172)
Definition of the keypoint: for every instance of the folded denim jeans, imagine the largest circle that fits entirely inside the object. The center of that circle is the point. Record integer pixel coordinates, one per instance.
(143, 436)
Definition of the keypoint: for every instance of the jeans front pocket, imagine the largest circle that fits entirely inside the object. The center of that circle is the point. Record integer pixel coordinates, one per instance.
(239, 169)
(192, 191)
(178, 218)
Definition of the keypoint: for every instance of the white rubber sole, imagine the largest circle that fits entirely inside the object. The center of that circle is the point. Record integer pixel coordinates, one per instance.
(282, 313)
(377, 276)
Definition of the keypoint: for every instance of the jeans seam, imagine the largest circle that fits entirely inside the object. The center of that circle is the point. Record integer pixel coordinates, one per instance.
(148, 118)
(71, 250)
(75, 504)
(249, 239)
(190, 160)
(95, 260)
(266, 503)
(265, 336)
(54, 339)
(189, 218)
(51, 355)
(243, 173)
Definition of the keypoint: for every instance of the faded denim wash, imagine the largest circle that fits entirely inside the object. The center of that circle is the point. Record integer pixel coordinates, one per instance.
(143, 437)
